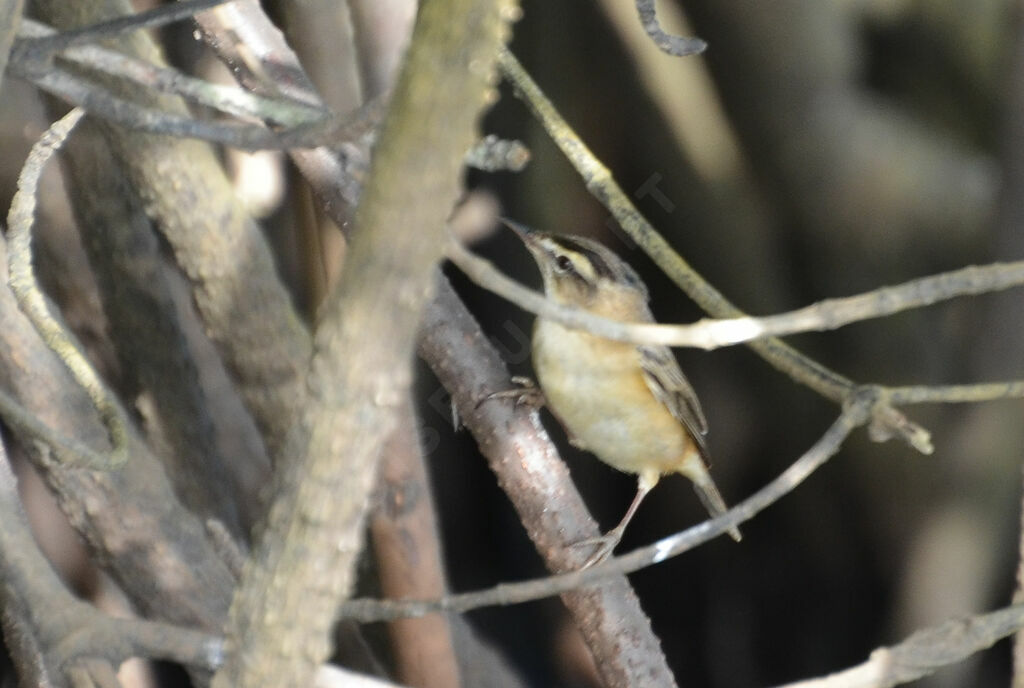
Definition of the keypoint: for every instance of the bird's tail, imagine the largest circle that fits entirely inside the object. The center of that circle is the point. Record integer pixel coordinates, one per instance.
(712, 499)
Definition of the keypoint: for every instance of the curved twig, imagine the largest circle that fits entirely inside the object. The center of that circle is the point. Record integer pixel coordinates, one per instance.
(602, 186)
(32, 302)
(673, 45)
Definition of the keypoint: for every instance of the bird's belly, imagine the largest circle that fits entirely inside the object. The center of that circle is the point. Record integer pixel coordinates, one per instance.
(598, 393)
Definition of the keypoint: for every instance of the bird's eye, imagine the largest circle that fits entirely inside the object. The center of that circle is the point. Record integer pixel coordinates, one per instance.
(563, 264)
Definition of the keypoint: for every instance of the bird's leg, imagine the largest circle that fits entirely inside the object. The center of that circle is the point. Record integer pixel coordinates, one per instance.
(607, 543)
(526, 394)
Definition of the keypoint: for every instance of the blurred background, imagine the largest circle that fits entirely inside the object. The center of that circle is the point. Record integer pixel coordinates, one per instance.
(819, 148)
(816, 149)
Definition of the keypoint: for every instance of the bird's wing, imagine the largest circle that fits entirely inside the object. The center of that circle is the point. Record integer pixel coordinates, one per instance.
(668, 384)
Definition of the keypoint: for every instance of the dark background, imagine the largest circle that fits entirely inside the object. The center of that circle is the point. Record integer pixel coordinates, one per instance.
(872, 150)
(834, 147)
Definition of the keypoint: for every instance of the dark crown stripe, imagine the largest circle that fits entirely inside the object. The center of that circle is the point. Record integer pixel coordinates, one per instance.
(601, 265)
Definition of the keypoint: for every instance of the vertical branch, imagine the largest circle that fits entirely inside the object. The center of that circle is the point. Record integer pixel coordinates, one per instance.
(538, 484)
(147, 332)
(408, 552)
(245, 309)
(23, 283)
(10, 19)
(153, 547)
(1001, 321)
(1018, 597)
(280, 619)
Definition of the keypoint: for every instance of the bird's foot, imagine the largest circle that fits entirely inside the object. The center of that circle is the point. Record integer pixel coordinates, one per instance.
(526, 394)
(603, 546)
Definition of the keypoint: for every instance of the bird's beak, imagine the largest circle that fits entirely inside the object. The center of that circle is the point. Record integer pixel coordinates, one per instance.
(522, 231)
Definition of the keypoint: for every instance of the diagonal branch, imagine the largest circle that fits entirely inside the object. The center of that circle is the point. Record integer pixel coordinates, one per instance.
(537, 482)
(602, 186)
(282, 614)
(246, 311)
(854, 415)
(925, 652)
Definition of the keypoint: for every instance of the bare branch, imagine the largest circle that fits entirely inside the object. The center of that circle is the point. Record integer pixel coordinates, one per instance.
(828, 314)
(925, 651)
(263, 62)
(64, 631)
(149, 19)
(407, 548)
(232, 100)
(69, 451)
(602, 186)
(307, 126)
(32, 302)
(954, 394)
(854, 415)
(534, 477)
(245, 309)
(600, 183)
(673, 45)
(361, 369)
(160, 557)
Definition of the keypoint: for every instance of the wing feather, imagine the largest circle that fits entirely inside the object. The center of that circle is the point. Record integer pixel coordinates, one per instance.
(666, 381)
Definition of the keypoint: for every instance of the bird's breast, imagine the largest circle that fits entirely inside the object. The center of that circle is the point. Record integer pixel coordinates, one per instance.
(596, 389)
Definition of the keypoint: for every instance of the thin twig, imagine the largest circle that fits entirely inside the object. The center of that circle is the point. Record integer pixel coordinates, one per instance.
(673, 45)
(599, 182)
(305, 125)
(709, 334)
(925, 651)
(854, 415)
(603, 187)
(229, 99)
(42, 47)
(105, 104)
(32, 302)
(259, 58)
(954, 394)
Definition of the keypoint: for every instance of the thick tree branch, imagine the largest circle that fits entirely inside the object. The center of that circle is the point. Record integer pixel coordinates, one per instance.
(856, 414)
(537, 482)
(153, 547)
(407, 547)
(147, 331)
(10, 20)
(53, 631)
(361, 370)
(245, 309)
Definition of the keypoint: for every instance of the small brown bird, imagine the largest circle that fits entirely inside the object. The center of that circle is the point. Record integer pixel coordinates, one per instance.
(630, 405)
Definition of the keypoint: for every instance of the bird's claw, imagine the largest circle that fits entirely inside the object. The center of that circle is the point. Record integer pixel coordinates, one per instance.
(604, 544)
(527, 394)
